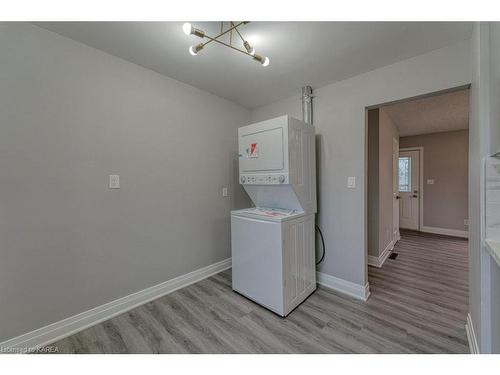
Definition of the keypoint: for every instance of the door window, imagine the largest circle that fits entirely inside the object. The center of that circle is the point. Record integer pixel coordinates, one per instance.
(405, 174)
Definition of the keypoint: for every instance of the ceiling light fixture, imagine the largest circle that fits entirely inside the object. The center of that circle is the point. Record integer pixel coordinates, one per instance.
(249, 49)
(190, 30)
(193, 50)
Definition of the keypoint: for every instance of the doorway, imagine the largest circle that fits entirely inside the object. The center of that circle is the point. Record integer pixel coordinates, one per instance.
(397, 134)
(417, 206)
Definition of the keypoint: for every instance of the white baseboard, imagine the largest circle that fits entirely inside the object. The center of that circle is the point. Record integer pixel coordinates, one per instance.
(79, 322)
(447, 232)
(471, 336)
(357, 291)
(379, 261)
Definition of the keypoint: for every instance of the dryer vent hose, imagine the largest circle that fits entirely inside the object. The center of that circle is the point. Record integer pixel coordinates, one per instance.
(322, 243)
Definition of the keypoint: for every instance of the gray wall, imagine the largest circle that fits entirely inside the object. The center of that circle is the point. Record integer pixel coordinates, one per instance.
(381, 132)
(339, 118)
(387, 132)
(446, 158)
(495, 147)
(495, 86)
(70, 115)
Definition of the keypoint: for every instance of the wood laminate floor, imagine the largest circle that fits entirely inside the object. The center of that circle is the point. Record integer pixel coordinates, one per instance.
(418, 305)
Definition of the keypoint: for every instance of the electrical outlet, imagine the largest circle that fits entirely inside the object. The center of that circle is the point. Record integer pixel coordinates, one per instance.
(430, 181)
(466, 222)
(224, 191)
(114, 181)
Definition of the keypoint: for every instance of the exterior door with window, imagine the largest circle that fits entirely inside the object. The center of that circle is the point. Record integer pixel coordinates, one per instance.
(409, 173)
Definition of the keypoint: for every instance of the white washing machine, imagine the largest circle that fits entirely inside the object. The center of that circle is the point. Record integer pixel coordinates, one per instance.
(273, 252)
(273, 257)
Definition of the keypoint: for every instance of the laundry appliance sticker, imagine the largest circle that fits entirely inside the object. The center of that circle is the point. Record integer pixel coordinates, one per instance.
(253, 151)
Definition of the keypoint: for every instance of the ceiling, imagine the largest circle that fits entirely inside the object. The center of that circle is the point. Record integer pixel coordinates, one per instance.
(439, 113)
(312, 53)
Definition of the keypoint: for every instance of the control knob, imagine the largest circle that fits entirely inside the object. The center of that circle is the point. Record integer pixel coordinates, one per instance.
(242, 179)
(282, 179)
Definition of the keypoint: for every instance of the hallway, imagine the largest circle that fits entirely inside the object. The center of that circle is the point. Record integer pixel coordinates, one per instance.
(418, 305)
(429, 282)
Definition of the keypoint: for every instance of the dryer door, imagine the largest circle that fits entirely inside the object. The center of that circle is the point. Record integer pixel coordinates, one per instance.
(262, 151)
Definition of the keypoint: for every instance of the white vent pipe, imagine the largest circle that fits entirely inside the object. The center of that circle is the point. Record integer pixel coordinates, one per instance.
(307, 104)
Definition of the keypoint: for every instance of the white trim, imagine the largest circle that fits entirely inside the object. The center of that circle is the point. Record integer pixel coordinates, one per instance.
(485, 304)
(445, 231)
(471, 336)
(379, 261)
(395, 189)
(76, 323)
(349, 288)
(493, 248)
(420, 150)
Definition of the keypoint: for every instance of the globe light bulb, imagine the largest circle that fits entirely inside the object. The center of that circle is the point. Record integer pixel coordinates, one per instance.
(193, 50)
(187, 28)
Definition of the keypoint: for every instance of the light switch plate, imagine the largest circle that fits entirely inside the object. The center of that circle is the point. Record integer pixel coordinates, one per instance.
(430, 181)
(114, 181)
(224, 191)
(351, 182)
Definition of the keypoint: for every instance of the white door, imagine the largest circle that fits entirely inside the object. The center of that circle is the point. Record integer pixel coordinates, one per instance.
(409, 173)
(395, 187)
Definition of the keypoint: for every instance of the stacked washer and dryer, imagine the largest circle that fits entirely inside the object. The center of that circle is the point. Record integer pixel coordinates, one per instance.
(273, 243)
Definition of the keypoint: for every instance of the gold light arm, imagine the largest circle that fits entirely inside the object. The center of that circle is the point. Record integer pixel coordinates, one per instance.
(223, 33)
(227, 45)
(242, 39)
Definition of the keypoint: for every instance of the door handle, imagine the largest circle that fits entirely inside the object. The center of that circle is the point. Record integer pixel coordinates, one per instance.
(397, 196)
(415, 196)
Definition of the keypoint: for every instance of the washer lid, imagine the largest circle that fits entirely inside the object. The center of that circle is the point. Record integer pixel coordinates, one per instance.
(274, 214)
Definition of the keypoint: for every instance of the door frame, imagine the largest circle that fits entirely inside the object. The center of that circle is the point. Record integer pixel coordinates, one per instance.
(396, 235)
(420, 150)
